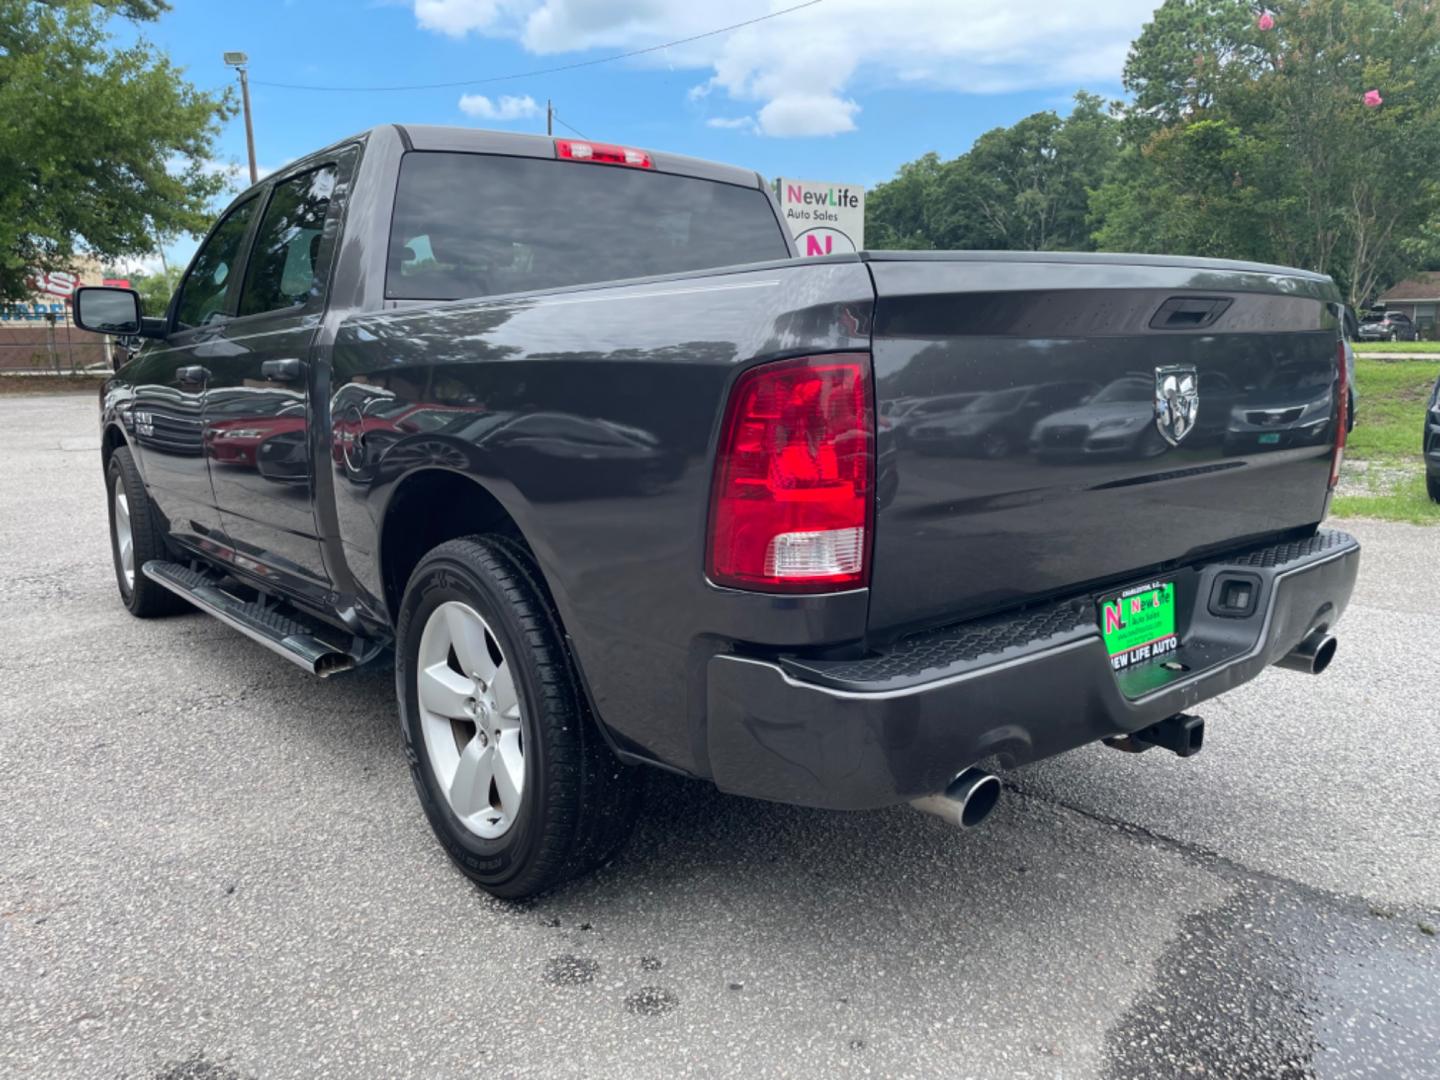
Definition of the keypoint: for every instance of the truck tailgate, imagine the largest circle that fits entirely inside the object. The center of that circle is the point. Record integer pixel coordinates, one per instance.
(1019, 453)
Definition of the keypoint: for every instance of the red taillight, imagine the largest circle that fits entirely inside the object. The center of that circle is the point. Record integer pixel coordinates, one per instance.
(602, 154)
(1342, 416)
(791, 506)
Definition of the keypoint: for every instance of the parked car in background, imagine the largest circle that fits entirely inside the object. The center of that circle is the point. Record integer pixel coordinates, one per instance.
(1391, 326)
(1431, 444)
(998, 423)
(1349, 333)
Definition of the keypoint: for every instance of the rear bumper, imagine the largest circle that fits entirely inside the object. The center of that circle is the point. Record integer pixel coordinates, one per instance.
(893, 727)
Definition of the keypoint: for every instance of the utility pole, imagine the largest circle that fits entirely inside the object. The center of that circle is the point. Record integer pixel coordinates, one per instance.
(238, 61)
(549, 117)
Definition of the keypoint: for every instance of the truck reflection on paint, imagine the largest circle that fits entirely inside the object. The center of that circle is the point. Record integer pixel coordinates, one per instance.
(379, 437)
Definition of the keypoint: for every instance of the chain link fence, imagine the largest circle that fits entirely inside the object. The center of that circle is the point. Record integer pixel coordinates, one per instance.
(45, 343)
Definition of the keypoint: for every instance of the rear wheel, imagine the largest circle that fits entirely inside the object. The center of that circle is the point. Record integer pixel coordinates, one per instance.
(1432, 485)
(137, 535)
(512, 773)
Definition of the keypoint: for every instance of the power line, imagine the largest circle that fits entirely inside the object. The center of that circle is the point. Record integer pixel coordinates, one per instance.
(542, 71)
(561, 121)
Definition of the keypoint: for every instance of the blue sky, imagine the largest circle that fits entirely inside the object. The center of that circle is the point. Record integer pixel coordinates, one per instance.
(840, 90)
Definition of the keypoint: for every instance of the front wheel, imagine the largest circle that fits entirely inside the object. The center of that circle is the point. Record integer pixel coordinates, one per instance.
(512, 772)
(137, 535)
(1432, 486)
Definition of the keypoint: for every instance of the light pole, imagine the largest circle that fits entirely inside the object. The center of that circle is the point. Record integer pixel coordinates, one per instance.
(238, 60)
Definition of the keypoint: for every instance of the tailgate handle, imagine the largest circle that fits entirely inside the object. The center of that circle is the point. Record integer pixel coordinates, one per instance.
(1189, 312)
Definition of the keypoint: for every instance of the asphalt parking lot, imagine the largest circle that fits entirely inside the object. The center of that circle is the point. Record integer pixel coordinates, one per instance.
(213, 866)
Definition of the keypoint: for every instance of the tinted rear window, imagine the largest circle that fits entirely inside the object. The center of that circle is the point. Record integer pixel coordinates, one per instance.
(480, 225)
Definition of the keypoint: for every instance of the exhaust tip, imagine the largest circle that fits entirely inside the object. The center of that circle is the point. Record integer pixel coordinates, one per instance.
(966, 801)
(981, 800)
(1313, 655)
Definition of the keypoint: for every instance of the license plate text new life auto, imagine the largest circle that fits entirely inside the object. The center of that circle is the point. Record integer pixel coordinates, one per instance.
(1138, 625)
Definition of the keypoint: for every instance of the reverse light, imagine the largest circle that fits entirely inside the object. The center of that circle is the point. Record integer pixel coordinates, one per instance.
(1342, 415)
(602, 154)
(791, 509)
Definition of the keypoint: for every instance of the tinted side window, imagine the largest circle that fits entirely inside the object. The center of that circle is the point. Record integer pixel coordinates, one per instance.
(282, 272)
(202, 293)
(478, 225)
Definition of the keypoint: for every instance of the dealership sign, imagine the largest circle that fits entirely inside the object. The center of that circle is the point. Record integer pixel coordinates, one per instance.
(825, 219)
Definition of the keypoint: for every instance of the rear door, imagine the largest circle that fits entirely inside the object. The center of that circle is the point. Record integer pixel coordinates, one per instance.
(172, 378)
(257, 413)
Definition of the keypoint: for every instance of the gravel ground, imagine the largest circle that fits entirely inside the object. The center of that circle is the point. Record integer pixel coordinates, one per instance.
(213, 866)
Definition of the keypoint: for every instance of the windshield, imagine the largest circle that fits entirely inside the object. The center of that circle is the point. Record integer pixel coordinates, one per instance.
(999, 401)
(1126, 390)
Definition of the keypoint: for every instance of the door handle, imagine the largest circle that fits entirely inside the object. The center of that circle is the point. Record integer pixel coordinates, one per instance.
(287, 370)
(194, 373)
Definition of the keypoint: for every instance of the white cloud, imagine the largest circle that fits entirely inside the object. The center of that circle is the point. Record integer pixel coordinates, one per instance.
(456, 17)
(507, 108)
(804, 71)
(737, 123)
(808, 114)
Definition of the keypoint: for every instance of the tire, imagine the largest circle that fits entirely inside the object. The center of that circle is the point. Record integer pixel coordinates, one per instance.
(132, 511)
(1432, 487)
(569, 804)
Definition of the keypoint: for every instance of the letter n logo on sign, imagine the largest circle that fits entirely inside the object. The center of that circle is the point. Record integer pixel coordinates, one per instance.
(1113, 620)
(812, 244)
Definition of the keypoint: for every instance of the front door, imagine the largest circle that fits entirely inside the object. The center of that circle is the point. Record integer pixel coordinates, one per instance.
(172, 377)
(257, 410)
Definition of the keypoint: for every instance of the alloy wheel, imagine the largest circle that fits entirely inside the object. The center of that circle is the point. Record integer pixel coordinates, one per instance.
(471, 719)
(124, 538)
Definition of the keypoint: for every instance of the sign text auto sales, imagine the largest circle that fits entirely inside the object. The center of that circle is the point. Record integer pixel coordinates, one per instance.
(824, 219)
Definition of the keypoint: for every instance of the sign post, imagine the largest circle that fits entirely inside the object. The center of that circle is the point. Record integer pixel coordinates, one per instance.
(824, 219)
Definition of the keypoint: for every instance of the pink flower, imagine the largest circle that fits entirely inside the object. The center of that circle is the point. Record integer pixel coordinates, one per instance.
(1266, 21)
(1373, 100)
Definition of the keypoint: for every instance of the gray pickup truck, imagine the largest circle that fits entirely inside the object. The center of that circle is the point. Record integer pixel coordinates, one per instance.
(619, 480)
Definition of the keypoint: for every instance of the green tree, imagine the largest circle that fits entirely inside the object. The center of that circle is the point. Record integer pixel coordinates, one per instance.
(1021, 187)
(156, 289)
(103, 149)
(1254, 143)
(897, 213)
(1026, 187)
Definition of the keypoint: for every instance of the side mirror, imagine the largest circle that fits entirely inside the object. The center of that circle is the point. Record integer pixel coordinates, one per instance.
(105, 309)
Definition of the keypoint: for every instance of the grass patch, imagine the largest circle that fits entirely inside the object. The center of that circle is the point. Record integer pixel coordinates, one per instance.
(1406, 502)
(1386, 472)
(1390, 413)
(1363, 347)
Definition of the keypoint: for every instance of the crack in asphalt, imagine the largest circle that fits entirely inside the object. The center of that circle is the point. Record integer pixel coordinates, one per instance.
(1281, 980)
(1230, 869)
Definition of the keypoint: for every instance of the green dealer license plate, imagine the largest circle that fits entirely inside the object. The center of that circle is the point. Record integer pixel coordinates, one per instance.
(1139, 624)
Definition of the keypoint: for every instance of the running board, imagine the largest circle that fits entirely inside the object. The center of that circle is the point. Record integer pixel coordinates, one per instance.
(308, 643)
